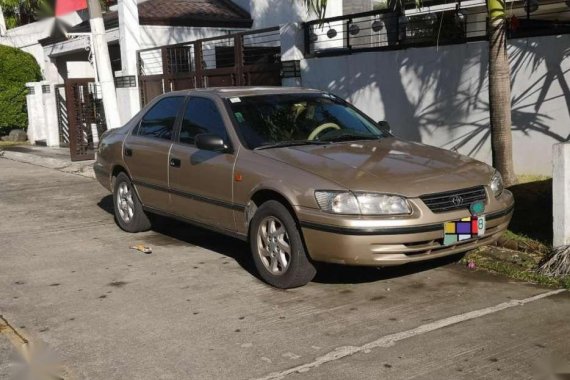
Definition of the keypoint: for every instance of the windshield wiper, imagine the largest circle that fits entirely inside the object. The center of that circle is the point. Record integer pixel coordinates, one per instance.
(350, 137)
(283, 144)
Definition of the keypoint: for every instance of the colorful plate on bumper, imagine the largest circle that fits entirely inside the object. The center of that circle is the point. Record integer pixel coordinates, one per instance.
(463, 229)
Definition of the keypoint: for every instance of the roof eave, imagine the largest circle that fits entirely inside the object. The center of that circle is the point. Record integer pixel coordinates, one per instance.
(196, 22)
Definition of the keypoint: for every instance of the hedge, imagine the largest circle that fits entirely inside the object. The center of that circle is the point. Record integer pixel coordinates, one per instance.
(16, 69)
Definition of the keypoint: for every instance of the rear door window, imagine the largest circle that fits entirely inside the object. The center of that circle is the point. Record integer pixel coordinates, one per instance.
(159, 121)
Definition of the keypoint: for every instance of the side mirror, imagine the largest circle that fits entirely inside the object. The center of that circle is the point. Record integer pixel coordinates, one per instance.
(384, 126)
(212, 142)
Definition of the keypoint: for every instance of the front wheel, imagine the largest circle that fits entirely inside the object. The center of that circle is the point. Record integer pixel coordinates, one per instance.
(129, 213)
(277, 247)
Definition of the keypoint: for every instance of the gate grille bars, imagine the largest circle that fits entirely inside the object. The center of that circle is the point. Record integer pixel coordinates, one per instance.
(242, 59)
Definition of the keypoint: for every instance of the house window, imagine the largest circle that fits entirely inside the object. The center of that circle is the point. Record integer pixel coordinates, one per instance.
(291, 69)
(179, 59)
(431, 28)
(125, 81)
(380, 4)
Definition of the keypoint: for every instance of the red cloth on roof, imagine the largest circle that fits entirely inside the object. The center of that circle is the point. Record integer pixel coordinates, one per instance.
(63, 7)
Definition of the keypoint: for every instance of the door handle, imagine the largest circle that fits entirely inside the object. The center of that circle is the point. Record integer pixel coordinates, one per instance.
(128, 152)
(175, 162)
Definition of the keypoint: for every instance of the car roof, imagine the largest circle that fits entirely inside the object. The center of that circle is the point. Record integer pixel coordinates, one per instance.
(230, 92)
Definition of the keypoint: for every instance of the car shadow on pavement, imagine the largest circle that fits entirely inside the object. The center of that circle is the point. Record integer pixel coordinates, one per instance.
(345, 274)
(174, 232)
(179, 233)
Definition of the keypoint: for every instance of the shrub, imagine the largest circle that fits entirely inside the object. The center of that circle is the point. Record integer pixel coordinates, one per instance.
(16, 69)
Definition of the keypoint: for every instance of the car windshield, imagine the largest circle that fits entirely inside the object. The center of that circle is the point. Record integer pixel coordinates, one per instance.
(271, 121)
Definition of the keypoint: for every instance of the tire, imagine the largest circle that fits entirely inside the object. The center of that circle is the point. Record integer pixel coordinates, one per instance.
(277, 247)
(129, 213)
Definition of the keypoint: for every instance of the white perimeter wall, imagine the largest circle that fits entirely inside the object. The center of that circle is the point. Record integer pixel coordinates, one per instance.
(441, 97)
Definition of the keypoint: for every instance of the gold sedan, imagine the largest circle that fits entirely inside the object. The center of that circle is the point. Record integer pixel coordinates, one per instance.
(303, 176)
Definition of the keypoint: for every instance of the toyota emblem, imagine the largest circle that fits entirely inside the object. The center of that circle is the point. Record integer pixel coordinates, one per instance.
(457, 200)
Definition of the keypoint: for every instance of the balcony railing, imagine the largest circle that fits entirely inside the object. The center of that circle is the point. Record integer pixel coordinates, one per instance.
(451, 24)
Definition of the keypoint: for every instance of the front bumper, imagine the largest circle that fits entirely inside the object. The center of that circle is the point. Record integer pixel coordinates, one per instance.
(395, 241)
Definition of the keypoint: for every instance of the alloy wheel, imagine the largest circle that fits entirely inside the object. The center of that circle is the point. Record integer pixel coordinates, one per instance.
(273, 245)
(125, 204)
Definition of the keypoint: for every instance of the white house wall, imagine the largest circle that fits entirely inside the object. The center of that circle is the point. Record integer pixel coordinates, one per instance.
(268, 13)
(78, 44)
(440, 96)
(79, 69)
(37, 51)
(541, 99)
(158, 35)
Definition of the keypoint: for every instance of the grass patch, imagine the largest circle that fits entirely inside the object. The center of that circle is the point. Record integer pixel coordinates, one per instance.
(528, 241)
(522, 243)
(527, 178)
(4, 144)
(517, 265)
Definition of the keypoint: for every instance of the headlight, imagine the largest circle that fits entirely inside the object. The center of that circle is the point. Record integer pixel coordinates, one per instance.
(362, 203)
(496, 184)
(337, 202)
(381, 204)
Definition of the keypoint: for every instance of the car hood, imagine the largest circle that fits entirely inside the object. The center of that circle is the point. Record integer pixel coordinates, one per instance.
(388, 165)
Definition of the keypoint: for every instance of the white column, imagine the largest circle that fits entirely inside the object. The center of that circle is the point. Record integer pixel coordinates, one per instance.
(103, 63)
(2, 23)
(292, 48)
(51, 121)
(129, 32)
(561, 194)
(35, 113)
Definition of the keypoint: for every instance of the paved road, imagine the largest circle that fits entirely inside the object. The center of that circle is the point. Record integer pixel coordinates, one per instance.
(194, 309)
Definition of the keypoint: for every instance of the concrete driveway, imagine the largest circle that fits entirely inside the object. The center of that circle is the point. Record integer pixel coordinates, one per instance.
(194, 309)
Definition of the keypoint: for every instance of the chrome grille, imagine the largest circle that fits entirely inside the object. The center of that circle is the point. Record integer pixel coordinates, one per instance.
(454, 200)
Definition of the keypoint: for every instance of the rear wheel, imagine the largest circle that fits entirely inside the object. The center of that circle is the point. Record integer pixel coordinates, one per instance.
(129, 213)
(277, 247)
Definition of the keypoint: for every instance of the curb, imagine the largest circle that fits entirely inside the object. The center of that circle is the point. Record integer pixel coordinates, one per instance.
(84, 168)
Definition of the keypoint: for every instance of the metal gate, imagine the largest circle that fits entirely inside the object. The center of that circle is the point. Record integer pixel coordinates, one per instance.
(250, 58)
(85, 117)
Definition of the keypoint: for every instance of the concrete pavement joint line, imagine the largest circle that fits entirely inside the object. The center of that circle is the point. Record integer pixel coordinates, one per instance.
(19, 342)
(25, 349)
(12, 330)
(390, 340)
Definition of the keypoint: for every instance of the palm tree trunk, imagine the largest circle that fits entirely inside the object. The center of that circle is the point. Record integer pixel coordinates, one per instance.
(500, 93)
